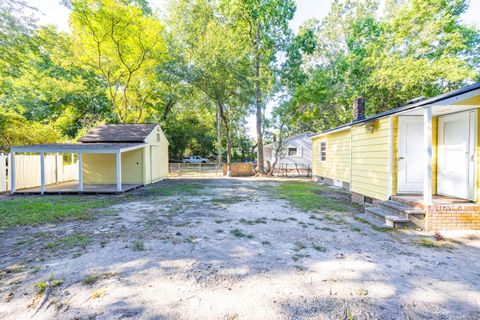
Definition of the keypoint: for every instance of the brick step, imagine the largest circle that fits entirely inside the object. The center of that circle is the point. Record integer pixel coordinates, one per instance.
(408, 202)
(387, 217)
(401, 209)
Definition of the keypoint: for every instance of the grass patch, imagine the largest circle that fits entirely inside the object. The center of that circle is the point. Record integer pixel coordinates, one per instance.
(28, 210)
(170, 190)
(319, 247)
(70, 241)
(138, 245)
(253, 222)
(299, 246)
(240, 234)
(299, 256)
(88, 280)
(306, 196)
(427, 243)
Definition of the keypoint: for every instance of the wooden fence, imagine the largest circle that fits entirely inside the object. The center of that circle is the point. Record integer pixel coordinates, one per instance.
(27, 171)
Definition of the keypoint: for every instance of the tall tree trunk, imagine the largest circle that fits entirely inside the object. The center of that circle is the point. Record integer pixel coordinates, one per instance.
(228, 135)
(219, 137)
(258, 102)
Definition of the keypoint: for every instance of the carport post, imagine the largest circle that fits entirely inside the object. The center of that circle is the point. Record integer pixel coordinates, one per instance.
(12, 172)
(119, 171)
(42, 173)
(80, 172)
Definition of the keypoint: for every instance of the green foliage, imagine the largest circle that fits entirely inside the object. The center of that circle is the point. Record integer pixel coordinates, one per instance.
(121, 44)
(416, 48)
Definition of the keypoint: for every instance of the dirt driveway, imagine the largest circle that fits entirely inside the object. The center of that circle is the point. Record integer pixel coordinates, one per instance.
(233, 249)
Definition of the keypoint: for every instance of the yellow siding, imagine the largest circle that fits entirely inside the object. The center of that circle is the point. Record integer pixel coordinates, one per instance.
(370, 153)
(337, 164)
(101, 168)
(156, 153)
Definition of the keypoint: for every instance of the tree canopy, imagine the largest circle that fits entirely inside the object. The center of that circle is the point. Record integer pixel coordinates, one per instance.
(202, 68)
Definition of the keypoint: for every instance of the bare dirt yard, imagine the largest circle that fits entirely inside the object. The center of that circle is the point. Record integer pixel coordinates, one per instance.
(226, 249)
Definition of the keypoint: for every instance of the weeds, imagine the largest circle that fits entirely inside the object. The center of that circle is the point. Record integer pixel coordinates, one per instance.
(253, 222)
(240, 234)
(51, 282)
(138, 246)
(70, 241)
(319, 247)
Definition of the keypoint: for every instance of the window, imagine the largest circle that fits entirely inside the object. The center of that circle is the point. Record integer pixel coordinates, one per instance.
(323, 151)
(159, 136)
(292, 152)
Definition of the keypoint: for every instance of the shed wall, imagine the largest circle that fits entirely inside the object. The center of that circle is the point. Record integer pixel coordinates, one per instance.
(101, 168)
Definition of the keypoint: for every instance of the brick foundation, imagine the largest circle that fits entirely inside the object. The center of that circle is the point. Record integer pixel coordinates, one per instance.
(453, 217)
(358, 198)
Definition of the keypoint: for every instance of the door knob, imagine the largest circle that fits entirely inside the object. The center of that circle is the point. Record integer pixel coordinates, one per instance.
(401, 158)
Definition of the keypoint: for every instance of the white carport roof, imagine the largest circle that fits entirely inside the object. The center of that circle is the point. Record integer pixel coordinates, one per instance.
(79, 147)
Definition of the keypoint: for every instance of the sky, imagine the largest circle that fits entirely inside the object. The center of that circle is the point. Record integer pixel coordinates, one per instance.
(52, 12)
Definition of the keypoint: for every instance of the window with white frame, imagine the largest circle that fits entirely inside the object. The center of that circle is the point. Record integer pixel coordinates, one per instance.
(292, 151)
(323, 151)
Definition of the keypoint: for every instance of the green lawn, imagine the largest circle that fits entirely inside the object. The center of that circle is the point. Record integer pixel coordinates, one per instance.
(32, 210)
(309, 196)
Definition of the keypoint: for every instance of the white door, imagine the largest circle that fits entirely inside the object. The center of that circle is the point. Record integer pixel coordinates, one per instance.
(456, 155)
(410, 154)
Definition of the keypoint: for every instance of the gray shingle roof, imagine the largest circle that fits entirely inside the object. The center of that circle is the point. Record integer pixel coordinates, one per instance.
(118, 133)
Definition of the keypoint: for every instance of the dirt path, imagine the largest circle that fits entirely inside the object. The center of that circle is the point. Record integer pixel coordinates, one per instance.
(226, 249)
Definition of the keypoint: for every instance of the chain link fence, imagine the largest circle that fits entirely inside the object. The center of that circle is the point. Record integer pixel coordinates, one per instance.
(195, 170)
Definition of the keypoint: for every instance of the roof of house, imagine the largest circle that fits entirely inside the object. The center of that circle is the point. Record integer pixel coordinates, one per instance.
(409, 106)
(116, 133)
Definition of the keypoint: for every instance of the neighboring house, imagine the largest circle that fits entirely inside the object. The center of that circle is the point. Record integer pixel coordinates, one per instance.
(417, 164)
(110, 158)
(297, 150)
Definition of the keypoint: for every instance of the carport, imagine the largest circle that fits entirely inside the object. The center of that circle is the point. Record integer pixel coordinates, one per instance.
(79, 149)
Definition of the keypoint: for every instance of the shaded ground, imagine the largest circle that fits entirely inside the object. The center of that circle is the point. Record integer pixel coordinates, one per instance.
(226, 249)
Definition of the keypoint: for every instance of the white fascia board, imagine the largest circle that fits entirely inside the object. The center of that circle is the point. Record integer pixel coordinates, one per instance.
(330, 132)
(140, 146)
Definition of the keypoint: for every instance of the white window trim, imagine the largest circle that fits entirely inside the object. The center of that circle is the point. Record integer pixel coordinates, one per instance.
(325, 151)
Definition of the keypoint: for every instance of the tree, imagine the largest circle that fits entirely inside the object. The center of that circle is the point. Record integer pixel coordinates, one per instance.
(264, 26)
(123, 45)
(214, 62)
(416, 48)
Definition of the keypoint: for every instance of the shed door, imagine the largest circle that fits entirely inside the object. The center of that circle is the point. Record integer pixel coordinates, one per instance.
(410, 154)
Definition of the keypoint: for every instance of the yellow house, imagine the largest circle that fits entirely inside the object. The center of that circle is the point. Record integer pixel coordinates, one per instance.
(416, 164)
(109, 158)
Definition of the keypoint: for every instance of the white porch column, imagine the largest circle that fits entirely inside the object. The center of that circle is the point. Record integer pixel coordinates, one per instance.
(42, 173)
(80, 172)
(427, 155)
(119, 171)
(11, 172)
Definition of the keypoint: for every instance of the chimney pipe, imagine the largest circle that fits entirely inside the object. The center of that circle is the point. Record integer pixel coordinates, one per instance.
(359, 109)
